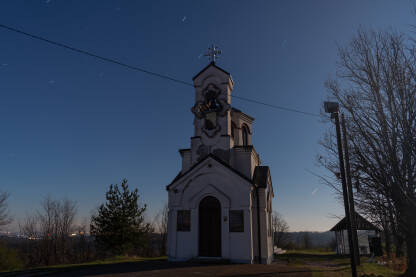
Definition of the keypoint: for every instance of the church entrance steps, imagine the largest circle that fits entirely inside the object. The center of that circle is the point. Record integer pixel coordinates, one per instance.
(210, 260)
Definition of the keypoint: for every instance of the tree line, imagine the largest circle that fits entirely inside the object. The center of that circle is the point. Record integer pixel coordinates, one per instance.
(286, 240)
(52, 235)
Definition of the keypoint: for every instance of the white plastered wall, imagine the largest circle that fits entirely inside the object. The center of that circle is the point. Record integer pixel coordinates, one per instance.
(217, 181)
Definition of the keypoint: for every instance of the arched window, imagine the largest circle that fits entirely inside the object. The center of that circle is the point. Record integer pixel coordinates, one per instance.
(233, 130)
(245, 135)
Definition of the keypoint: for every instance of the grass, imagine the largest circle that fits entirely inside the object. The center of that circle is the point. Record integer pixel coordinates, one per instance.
(112, 260)
(63, 267)
(319, 262)
(328, 264)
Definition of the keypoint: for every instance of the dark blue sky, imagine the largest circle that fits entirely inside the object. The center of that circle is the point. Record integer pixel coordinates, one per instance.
(70, 125)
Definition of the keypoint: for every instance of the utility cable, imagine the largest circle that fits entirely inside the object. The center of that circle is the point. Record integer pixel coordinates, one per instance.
(114, 61)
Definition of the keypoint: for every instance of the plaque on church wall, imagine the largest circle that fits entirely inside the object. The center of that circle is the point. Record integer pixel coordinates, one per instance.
(237, 221)
(184, 221)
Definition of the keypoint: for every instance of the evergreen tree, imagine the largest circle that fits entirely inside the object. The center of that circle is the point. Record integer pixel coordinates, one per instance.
(119, 226)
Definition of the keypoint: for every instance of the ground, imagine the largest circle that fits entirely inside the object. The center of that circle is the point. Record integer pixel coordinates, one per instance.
(298, 264)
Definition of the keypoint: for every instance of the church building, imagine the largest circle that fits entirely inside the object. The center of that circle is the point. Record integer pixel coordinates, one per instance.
(220, 203)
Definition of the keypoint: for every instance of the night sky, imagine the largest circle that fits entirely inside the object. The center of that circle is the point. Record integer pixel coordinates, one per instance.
(70, 124)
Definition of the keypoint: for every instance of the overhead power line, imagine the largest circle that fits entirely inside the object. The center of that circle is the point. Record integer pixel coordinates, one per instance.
(275, 106)
(114, 61)
(94, 55)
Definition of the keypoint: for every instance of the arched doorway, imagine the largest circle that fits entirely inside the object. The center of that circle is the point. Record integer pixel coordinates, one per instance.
(210, 227)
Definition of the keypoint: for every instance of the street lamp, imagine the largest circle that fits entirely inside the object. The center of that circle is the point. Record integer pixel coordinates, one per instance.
(333, 109)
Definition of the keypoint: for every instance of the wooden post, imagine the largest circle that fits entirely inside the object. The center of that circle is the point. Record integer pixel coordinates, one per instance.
(350, 192)
(345, 196)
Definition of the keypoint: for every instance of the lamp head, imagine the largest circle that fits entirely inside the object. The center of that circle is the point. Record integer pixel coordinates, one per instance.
(331, 107)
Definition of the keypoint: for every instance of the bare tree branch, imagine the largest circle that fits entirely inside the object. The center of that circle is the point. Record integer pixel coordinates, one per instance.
(5, 218)
(376, 87)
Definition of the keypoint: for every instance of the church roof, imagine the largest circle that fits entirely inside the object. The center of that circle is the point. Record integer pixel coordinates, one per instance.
(239, 111)
(205, 68)
(362, 224)
(180, 175)
(260, 179)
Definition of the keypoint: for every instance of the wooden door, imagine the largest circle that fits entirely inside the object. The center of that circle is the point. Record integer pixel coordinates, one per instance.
(210, 227)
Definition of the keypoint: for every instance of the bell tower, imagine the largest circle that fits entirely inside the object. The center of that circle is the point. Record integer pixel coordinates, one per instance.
(212, 112)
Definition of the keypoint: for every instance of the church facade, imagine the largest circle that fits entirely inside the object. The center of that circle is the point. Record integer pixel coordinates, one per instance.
(220, 203)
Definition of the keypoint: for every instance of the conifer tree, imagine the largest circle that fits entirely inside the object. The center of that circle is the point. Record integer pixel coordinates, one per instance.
(119, 226)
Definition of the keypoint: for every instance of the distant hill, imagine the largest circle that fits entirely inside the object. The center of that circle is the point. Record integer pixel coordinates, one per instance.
(317, 239)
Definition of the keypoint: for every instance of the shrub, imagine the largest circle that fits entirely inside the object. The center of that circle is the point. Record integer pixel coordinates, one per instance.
(9, 260)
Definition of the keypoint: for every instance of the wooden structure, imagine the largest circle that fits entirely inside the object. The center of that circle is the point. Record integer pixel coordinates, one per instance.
(365, 229)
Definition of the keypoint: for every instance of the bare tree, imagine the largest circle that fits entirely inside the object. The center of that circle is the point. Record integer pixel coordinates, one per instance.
(48, 232)
(4, 213)
(306, 240)
(376, 86)
(64, 221)
(82, 248)
(280, 229)
(29, 228)
(162, 227)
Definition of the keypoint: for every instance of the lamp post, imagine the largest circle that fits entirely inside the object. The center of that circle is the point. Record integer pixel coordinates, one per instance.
(333, 109)
(350, 192)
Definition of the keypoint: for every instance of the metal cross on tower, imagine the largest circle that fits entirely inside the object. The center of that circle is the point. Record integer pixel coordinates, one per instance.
(213, 53)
